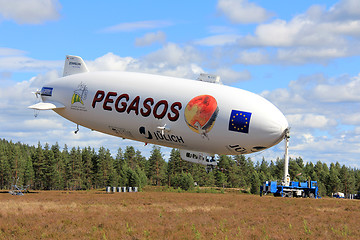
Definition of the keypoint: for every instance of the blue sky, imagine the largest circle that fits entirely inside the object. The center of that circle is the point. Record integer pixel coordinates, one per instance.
(303, 56)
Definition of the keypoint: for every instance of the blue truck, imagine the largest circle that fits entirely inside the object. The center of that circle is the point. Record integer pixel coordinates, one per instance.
(287, 188)
(294, 189)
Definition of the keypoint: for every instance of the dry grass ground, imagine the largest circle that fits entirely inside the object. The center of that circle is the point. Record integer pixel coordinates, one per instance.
(166, 215)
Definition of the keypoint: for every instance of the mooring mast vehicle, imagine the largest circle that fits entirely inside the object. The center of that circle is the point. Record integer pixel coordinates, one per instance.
(289, 188)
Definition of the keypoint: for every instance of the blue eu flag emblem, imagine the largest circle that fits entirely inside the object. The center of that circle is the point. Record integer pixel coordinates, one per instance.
(239, 121)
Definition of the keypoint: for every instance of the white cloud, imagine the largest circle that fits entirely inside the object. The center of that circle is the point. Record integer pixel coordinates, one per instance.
(174, 60)
(5, 75)
(171, 60)
(317, 89)
(10, 52)
(112, 62)
(150, 38)
(30, 11)
(243, 11)
(221, 29)
(253, 57)
(16, 60)
(310, 120)
(322, 115)
(352, 119)
(135, 26)
(345, 9)
(348, 92)
(27, 64)
(357, 130)
(173, 54)
(315, 36)
(327, 149)
(15, 119)
(305, 55)
(304, 30)
(217, 40)
(277, 33)
(230, 76)
(42, 124)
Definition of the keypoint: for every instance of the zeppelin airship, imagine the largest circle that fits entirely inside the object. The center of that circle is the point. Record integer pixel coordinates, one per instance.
(200, 117)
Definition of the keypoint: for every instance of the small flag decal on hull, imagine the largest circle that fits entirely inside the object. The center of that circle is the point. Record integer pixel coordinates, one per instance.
(239, 121)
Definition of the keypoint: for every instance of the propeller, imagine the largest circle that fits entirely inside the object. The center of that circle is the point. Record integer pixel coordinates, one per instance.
(37, 93)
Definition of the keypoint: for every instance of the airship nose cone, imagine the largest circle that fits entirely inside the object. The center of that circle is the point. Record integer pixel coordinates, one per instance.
(270, 126)
(279, 127)
(276, 127)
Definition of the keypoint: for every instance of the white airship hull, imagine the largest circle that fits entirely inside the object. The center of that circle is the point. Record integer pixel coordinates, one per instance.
(200, 118)
(172, 112)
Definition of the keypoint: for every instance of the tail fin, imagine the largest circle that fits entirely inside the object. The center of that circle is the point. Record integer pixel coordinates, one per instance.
(74, 65)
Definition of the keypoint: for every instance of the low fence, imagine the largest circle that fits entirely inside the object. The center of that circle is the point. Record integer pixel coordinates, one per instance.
(121, 189)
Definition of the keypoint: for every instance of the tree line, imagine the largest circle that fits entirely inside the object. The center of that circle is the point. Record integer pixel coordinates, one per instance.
(50, 168)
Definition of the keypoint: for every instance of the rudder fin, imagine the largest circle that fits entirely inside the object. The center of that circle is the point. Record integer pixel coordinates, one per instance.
(74, 65)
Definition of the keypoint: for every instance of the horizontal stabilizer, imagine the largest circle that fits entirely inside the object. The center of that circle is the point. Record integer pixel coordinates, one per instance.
(46, 106)
(197, 157)
(74, 65)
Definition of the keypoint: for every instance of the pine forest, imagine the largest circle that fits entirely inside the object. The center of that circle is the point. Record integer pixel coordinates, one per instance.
(55, 168)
